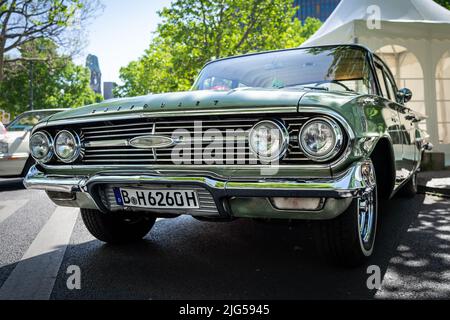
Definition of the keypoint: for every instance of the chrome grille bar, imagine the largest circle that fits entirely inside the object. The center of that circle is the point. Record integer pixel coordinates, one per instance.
(107, 143)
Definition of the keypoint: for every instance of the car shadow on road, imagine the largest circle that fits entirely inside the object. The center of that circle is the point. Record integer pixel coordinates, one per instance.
(11, 184)
(186, 259)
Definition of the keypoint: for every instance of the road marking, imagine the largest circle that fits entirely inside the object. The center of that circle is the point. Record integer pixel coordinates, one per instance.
(8, 207)
(34, 276)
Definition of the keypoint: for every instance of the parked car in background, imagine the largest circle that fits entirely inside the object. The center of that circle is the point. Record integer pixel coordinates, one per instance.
(320, 134)
(2, 132)
(15, 159)
(3, 143)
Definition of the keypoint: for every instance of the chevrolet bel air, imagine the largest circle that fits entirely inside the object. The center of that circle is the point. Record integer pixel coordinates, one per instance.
(321, 134)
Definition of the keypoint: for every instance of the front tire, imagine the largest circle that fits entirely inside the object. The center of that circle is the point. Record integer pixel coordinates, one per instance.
(349, 239)
(115, 229)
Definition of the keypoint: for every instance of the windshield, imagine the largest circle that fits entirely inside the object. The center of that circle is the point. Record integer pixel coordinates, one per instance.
(26, 121)
(340, 68)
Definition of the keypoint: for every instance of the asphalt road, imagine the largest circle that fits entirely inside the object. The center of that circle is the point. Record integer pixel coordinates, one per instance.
(183, 258)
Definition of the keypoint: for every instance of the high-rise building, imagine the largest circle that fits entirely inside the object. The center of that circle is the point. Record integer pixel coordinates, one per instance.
(108, 90)
(96, 75)
(320, 9)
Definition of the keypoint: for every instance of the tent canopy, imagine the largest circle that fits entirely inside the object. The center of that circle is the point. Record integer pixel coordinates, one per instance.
(413, 37)
(406, 18)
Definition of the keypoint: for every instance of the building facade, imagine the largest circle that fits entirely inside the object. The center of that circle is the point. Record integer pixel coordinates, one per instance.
(108, 90)
(320, 9)
(96, 75)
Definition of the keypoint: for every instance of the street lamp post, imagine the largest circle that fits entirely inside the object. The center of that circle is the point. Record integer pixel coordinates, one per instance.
(40, 48)
(30, 82)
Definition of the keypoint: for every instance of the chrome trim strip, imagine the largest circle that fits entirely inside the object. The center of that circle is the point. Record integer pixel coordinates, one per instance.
(107, 143)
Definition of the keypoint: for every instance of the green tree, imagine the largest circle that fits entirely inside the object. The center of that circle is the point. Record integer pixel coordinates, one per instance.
(193, 32)
(23, 21)
(58, 82)
(444, 3)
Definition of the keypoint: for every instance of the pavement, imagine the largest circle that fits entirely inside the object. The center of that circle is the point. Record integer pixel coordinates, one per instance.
(436, 182)
(41, 244)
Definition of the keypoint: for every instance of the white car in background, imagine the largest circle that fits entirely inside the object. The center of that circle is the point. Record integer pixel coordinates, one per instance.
(15, 159)
(3, 144)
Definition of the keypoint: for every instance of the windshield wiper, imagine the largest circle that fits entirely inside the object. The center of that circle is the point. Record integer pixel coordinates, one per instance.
(306, 87)
(315, 88)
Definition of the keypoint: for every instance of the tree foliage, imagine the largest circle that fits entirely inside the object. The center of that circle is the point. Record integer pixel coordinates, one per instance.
(23, 21)
(58, 82)
(444, 3)
(193, 32)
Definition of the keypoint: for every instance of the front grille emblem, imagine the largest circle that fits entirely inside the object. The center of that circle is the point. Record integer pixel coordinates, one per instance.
(152, 142)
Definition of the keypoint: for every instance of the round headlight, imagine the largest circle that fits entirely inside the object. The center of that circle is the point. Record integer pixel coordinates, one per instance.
(269, 140)
(67, 146)
(321, 139)
(41, 147)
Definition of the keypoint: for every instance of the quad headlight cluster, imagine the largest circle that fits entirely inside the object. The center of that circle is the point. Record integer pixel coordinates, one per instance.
(66, 146)
(320, 139)
(269, 140)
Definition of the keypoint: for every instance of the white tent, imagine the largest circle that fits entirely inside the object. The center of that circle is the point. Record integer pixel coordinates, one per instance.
(413, 37)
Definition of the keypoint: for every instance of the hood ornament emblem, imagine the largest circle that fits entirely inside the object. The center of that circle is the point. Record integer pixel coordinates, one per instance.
(152, 142)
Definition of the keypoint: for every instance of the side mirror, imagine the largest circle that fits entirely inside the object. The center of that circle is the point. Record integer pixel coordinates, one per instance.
(404, 95)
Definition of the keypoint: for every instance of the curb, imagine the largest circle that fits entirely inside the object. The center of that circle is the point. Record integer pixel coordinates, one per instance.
(433, 191)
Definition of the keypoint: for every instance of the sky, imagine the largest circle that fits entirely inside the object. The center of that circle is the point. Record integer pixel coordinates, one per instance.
(121, 34)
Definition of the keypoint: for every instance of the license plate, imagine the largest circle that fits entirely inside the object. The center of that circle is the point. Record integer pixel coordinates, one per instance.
(156, 199)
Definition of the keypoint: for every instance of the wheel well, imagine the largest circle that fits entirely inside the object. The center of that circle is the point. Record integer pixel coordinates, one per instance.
(27, 166)
(384, 162)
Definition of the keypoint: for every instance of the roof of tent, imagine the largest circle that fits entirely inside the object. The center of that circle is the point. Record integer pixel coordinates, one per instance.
(403, 18)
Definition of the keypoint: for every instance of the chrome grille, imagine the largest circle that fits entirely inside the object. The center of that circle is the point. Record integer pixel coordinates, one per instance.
(106, 143)
(206, 201)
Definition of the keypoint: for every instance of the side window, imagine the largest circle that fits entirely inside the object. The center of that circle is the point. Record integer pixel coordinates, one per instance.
(381, 79)
(391, 88)
(372, 85)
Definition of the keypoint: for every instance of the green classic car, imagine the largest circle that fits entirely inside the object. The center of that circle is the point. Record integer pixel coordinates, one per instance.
(319, 134)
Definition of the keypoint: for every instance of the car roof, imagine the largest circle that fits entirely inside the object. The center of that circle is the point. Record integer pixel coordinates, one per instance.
(358, 46)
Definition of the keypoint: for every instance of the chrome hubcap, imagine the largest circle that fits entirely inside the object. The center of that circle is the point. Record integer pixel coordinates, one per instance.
(366, 217)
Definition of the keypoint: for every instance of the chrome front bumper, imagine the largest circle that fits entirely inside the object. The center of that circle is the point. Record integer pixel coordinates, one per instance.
(234, 198)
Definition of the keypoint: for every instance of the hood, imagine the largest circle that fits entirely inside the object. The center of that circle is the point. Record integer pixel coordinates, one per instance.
(330, 99)
(208, 101)
(188, 101)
